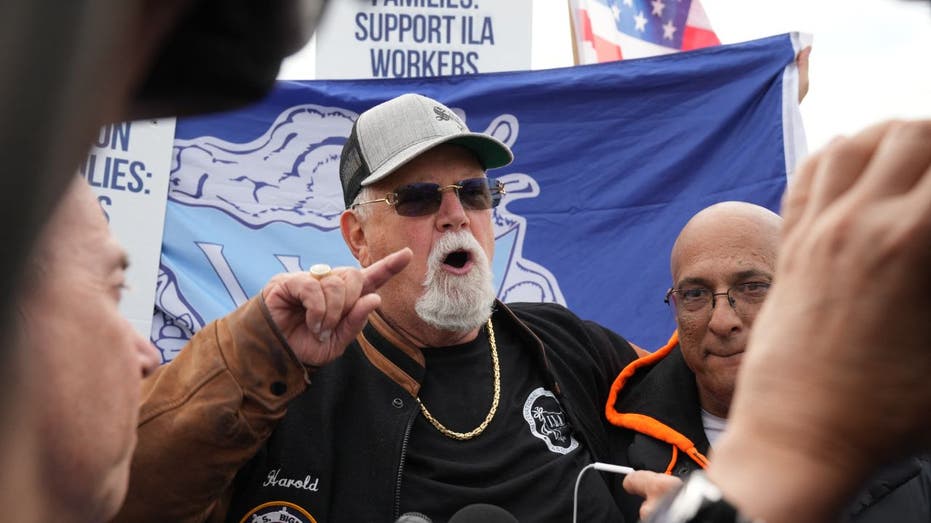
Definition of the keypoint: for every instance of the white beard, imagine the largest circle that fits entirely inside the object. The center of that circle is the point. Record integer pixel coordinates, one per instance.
(453, 302)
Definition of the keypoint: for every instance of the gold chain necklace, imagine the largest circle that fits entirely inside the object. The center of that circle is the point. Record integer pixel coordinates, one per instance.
(462, 436)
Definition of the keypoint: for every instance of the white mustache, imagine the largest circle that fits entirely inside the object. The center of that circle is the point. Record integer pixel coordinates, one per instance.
(452, 242)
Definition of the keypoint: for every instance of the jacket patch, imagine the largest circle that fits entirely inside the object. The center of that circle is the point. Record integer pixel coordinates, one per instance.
(547, 421)
(278, 512)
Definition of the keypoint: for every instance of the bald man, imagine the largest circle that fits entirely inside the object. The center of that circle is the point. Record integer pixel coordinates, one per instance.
(675, 402)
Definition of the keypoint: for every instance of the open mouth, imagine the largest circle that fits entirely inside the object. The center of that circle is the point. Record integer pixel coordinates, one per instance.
(457, 259)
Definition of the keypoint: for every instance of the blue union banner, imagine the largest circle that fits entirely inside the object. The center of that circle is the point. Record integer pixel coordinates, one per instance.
(611, 160)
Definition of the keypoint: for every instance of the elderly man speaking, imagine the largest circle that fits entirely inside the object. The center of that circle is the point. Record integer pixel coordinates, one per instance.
(404, 386)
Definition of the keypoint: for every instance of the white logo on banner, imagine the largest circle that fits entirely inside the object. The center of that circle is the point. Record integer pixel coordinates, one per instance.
(290, 175)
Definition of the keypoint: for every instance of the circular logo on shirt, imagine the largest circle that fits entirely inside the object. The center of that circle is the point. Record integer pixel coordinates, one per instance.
(278, 512)
(548, 421)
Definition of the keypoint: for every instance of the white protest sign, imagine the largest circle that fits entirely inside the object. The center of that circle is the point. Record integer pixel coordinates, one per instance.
(422, 38)
(128, 170)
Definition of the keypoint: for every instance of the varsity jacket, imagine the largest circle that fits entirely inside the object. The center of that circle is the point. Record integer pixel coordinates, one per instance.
(656, 400)
(236, 411)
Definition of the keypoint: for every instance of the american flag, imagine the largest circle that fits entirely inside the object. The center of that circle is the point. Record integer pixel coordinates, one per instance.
(608, 30)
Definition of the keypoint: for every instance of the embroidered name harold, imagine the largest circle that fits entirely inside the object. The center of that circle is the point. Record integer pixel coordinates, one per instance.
(308, 483)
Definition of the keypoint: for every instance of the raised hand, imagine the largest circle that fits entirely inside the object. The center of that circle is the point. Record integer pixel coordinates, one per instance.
(852, 299)
(802, 60)
(837, 376)
(319, 318)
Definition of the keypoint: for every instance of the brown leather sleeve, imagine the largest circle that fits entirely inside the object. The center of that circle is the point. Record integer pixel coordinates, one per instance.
(204, 415)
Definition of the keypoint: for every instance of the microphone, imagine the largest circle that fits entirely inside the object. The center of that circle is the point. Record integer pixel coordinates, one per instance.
(413, 517)
(482, 513)
(603, 467)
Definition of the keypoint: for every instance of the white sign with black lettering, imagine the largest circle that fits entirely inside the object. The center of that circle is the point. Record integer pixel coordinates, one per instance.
(422, 38)
(128, 169)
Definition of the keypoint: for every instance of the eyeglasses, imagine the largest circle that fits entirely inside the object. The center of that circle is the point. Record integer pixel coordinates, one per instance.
(422, 199)
(743, 297)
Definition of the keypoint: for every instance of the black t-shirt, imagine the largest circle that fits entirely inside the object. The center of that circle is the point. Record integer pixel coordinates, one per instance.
(527, 459)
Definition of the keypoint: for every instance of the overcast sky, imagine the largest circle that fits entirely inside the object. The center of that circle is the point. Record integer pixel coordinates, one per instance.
(871, 59)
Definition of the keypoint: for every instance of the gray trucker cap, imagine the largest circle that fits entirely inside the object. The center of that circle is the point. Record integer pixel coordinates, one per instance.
(395, 132)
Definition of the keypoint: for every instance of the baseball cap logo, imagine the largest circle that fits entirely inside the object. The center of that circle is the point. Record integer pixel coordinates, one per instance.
(441, 113)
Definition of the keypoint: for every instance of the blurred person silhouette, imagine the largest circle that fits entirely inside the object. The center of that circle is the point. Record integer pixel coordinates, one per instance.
(100, 61)
(86, 363)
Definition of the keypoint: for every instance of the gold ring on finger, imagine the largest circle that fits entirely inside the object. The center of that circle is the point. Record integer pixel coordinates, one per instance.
(320, 270)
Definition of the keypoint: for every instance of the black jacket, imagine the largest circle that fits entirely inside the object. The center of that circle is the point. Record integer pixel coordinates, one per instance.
(656, 400)
(351, 426)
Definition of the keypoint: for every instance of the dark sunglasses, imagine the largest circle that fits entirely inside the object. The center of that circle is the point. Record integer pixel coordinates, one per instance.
(422, 199)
